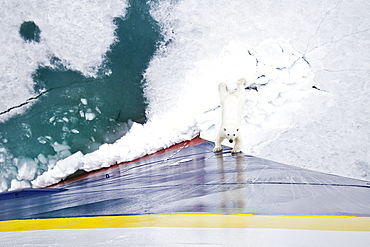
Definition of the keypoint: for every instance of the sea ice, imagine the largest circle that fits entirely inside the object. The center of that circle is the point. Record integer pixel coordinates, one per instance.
(89, 115)
(26, 168)
(80, 48)
(307, 59)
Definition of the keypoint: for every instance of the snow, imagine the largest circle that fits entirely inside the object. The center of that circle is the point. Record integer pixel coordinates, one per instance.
(312, 106)
(16, 184)
(308, 59)
(63, 167)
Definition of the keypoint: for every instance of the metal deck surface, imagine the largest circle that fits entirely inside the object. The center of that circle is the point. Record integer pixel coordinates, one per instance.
(190, 179)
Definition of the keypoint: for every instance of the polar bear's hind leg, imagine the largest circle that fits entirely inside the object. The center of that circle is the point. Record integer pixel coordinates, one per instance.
(222, 88)
(242, 83)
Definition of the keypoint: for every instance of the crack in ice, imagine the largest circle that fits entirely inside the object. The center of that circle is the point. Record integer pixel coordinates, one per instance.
(339, 39)
(321, 23)
(28, 101)
(42, 93)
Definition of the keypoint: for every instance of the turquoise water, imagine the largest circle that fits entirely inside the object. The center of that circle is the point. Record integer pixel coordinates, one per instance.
(80, 113)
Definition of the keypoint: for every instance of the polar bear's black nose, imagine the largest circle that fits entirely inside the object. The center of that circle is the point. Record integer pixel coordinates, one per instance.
(231, 141)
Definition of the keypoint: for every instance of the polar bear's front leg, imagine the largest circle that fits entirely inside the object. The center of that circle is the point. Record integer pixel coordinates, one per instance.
(237, 146)
(218, 147)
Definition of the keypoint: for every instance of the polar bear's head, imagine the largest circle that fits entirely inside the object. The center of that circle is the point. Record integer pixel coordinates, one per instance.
(231, 132)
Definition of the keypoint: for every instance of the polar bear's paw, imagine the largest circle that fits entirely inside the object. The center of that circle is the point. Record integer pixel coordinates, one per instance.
(217, 149)
(222, 87)
(235, 151)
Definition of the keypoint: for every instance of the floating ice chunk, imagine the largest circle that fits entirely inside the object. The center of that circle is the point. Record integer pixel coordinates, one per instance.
(62, 150)
(64, 154)
(60, 147)
(3, 184)
(26, 168)
(16, 184)
(75, 131)
(83, 101)
(89, 115)
(3, 154)
(42, 140)
(51, 161)
(42, 159)
(26, 129)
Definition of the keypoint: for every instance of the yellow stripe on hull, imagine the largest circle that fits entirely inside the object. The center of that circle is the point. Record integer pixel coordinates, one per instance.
(329, 223)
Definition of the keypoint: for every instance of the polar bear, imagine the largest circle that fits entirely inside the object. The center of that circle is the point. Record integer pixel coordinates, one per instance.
(232, 109)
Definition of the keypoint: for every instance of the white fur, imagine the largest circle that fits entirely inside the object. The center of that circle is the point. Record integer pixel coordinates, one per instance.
(232, 112)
